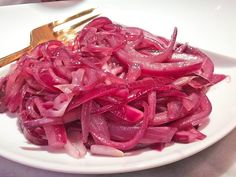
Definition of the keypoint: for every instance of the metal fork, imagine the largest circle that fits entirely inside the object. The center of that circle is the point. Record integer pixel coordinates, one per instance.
(47, 32)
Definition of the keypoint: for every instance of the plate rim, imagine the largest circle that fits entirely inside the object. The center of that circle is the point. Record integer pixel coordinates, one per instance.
(153, 163)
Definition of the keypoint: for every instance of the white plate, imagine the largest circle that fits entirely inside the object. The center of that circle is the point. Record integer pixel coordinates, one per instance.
(208, 25)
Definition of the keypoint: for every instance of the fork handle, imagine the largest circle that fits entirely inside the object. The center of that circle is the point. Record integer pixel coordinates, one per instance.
(14, 56)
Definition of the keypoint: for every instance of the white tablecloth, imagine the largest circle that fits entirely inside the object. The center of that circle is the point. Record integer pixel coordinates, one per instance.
(218, 160)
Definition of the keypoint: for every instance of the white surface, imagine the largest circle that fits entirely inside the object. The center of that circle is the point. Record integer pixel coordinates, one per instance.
(217, 161)
(210, 29)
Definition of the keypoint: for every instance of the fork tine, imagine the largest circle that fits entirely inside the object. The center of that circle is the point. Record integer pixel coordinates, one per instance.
(72, 28)
(80, 14)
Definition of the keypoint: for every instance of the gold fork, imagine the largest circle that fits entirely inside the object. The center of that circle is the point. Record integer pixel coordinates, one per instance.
(46, 32)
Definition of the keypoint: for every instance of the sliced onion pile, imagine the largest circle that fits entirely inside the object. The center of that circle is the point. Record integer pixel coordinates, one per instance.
(111, 90)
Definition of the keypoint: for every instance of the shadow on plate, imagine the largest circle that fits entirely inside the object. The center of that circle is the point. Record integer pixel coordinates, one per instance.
(221, 60)
(43, 148)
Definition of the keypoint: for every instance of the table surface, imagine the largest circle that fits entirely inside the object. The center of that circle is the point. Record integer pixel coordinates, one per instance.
(218, 160)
